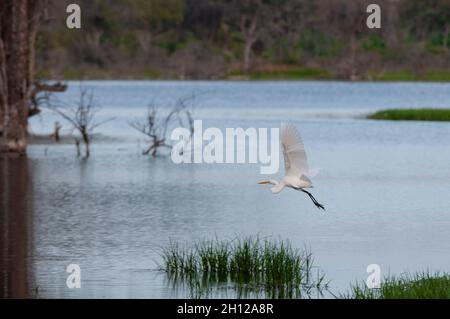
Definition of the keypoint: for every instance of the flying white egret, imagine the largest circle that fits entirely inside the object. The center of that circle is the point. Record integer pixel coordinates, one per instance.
(295, 164)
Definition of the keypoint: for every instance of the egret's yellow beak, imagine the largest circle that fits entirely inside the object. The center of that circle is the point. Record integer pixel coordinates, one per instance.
(263, 182)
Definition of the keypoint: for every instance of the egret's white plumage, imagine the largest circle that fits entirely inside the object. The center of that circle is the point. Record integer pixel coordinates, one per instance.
(295, 163)
(295, 159)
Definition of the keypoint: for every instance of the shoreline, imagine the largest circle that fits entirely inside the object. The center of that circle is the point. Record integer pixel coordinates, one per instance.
(237, 79)
(296, 74)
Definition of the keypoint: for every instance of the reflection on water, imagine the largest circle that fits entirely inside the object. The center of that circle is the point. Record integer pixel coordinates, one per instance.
(15, 228)
(205, 286)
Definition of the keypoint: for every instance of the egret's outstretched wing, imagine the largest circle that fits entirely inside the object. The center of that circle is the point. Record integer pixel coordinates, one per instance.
(295, 160)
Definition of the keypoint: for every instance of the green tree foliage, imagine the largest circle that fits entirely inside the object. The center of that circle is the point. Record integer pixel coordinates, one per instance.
(157, 15)
(428, 20)
(217, 38)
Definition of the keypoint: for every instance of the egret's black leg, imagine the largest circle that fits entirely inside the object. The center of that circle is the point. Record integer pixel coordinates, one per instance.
(320, 206)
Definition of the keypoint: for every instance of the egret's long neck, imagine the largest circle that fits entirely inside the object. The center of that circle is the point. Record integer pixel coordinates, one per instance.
(278, 186)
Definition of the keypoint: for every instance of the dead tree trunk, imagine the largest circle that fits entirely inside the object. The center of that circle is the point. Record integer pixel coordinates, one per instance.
(18, 28)
(247, 54)
(86, 141)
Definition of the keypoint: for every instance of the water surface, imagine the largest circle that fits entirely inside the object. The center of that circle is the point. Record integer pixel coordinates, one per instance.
(385, 186)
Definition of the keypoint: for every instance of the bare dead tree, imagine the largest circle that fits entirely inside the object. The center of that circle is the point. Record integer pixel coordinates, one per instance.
(81, 117)
(155, 127)
(186, 108)
(55, 135)
(254, 18)
(156, 124)
(250, 23)
(77, 145)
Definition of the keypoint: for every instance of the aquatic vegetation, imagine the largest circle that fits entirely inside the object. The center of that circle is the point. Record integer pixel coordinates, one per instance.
(427, 114)
(249, 267)
(423, 285)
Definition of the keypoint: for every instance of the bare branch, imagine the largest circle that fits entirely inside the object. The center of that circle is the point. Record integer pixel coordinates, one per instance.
(155, 126)
(81, 116)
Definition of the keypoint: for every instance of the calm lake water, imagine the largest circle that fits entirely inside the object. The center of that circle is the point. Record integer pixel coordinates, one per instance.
(385, 186)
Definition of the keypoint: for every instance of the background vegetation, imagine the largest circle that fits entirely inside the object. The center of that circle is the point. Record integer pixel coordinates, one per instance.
(247, 39)
(421, 285)
(412, 115)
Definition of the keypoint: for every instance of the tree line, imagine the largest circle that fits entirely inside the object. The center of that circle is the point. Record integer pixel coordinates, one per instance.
(211, 39)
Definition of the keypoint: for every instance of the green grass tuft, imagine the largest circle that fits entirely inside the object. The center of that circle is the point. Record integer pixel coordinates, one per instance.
(251, 266)
(412, 115)
(416, 286)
